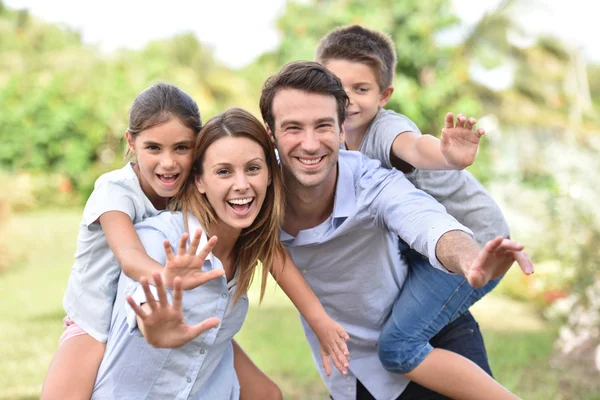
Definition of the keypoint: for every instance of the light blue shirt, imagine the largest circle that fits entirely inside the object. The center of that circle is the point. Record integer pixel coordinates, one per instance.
(200, 369)
(353, 264)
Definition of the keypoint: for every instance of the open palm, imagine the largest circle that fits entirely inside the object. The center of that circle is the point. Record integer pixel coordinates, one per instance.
(187, 264)
(459, 143)
(162, 323)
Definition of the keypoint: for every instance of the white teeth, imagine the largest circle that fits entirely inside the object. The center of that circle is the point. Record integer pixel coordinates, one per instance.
(240, 202)
(310, 162)
(167, 176)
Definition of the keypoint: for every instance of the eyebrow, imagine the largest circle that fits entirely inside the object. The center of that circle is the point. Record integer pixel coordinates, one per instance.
(150, 142)
(247, 162)
(316, 122)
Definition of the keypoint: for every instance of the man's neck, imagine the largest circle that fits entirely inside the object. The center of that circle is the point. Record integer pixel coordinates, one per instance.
(307, 207)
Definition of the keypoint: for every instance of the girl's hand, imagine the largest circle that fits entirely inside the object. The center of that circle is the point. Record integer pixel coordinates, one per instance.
(162, 324)
(187, 265)
(332, 338)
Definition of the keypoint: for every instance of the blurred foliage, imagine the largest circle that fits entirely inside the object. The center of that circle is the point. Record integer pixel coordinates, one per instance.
(64, 111)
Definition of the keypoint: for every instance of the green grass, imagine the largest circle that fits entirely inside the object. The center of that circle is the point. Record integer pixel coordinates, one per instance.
(43, 243)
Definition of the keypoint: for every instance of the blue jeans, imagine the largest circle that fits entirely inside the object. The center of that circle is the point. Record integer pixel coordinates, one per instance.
(430, 300)
(461, 336)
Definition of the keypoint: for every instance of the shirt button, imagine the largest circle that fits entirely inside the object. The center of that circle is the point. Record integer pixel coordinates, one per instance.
(189, 380)
(224, 295)
(348, 378)
(304, 271)
(202, 351)
(349, 388)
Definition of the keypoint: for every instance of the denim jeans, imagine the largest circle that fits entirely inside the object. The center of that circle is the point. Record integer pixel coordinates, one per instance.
(430, 299)
(461, 336)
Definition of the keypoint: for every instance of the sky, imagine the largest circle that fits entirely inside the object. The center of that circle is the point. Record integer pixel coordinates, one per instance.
(240, 30)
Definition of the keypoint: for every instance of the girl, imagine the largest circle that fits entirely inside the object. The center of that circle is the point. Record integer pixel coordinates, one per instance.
(235, 193)
(163, 124)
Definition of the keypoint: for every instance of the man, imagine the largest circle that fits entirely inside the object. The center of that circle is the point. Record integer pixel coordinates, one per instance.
(344, 214)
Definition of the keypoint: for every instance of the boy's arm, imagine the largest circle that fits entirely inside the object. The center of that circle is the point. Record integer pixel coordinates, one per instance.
(331, 335)
(456, 149)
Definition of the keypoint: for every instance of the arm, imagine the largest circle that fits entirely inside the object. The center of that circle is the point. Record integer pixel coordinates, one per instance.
(461, 254)
(331, 335)
(125, 244)
(456, 149)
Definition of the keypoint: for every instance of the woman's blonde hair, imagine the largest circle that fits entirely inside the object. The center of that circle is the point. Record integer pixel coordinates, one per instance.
(260, 241)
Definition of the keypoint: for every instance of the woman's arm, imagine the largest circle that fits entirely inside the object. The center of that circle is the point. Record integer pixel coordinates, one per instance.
(331, 335)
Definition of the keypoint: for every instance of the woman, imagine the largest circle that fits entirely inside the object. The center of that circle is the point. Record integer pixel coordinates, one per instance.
(234, 193)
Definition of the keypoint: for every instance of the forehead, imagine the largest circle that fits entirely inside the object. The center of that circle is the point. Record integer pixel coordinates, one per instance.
(228, 149)
(301, 106)
(352, 70)
(171, 131)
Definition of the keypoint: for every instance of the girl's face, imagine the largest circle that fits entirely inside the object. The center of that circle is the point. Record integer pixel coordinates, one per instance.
(235, 179)
(164, 159)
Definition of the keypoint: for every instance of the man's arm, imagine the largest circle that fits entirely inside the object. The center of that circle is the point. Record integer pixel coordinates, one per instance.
(459, 253)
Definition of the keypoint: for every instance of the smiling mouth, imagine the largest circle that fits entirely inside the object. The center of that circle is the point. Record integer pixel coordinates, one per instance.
(168, 179)
(351, 114)
(310, 161)
(241, 206)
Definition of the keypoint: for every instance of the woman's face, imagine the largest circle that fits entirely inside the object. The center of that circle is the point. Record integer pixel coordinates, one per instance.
(235, 180)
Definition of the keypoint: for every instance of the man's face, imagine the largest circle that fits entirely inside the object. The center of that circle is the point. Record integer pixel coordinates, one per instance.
(307, 135)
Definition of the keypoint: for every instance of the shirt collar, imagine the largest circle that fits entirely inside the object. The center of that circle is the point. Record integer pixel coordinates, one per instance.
(193, 225)
(345, 195)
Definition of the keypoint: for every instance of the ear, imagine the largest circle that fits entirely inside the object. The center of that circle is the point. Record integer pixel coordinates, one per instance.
(271, 136)
(130, 141)
(199, 185)
(384, 97)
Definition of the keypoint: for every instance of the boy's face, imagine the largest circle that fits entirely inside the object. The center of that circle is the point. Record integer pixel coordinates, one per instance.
(366, 97)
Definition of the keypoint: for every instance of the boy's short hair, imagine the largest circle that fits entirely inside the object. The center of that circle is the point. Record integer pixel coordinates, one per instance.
(308, 76)
(359, 44)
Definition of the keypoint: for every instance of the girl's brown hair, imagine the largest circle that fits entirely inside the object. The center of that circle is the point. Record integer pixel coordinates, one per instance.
(260, 241)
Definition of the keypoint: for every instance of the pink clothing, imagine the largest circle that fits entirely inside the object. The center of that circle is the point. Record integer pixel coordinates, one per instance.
(71, 330)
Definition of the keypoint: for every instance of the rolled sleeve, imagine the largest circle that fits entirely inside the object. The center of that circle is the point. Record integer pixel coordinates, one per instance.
(416, 217)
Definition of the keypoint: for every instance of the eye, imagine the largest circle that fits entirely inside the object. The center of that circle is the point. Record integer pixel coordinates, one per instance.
(152, 147)
(222, 172)
(322, 127)
(292, 129)
(362, 90)
(254, 168)
(182, 148)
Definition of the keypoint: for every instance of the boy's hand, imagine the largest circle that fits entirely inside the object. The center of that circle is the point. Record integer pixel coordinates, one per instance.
(496, 257)
(187, 265)
(162, 324)
(459, 143)
(332, 338)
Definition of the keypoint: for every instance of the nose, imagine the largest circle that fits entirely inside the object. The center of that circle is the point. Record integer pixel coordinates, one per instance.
(241, 183)
(310, 144)
(167, 161)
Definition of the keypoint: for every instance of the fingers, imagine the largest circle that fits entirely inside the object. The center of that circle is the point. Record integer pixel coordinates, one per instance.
(203, 326)
(177, 293)
(524, 262)
(168, 250)
(137, 309)
(149, 296)
(509, 245)
(182, 244)
(479, 132)
(449, 121)
(461, 119)
(210, 275)
(470, 123)
(160, 288)
(195, 242)
(207, 247)
(326, 364)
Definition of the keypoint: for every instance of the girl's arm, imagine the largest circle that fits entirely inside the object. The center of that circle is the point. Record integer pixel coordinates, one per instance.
(456, 149)
(125, 244)
(331, 335)
(129, 251)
